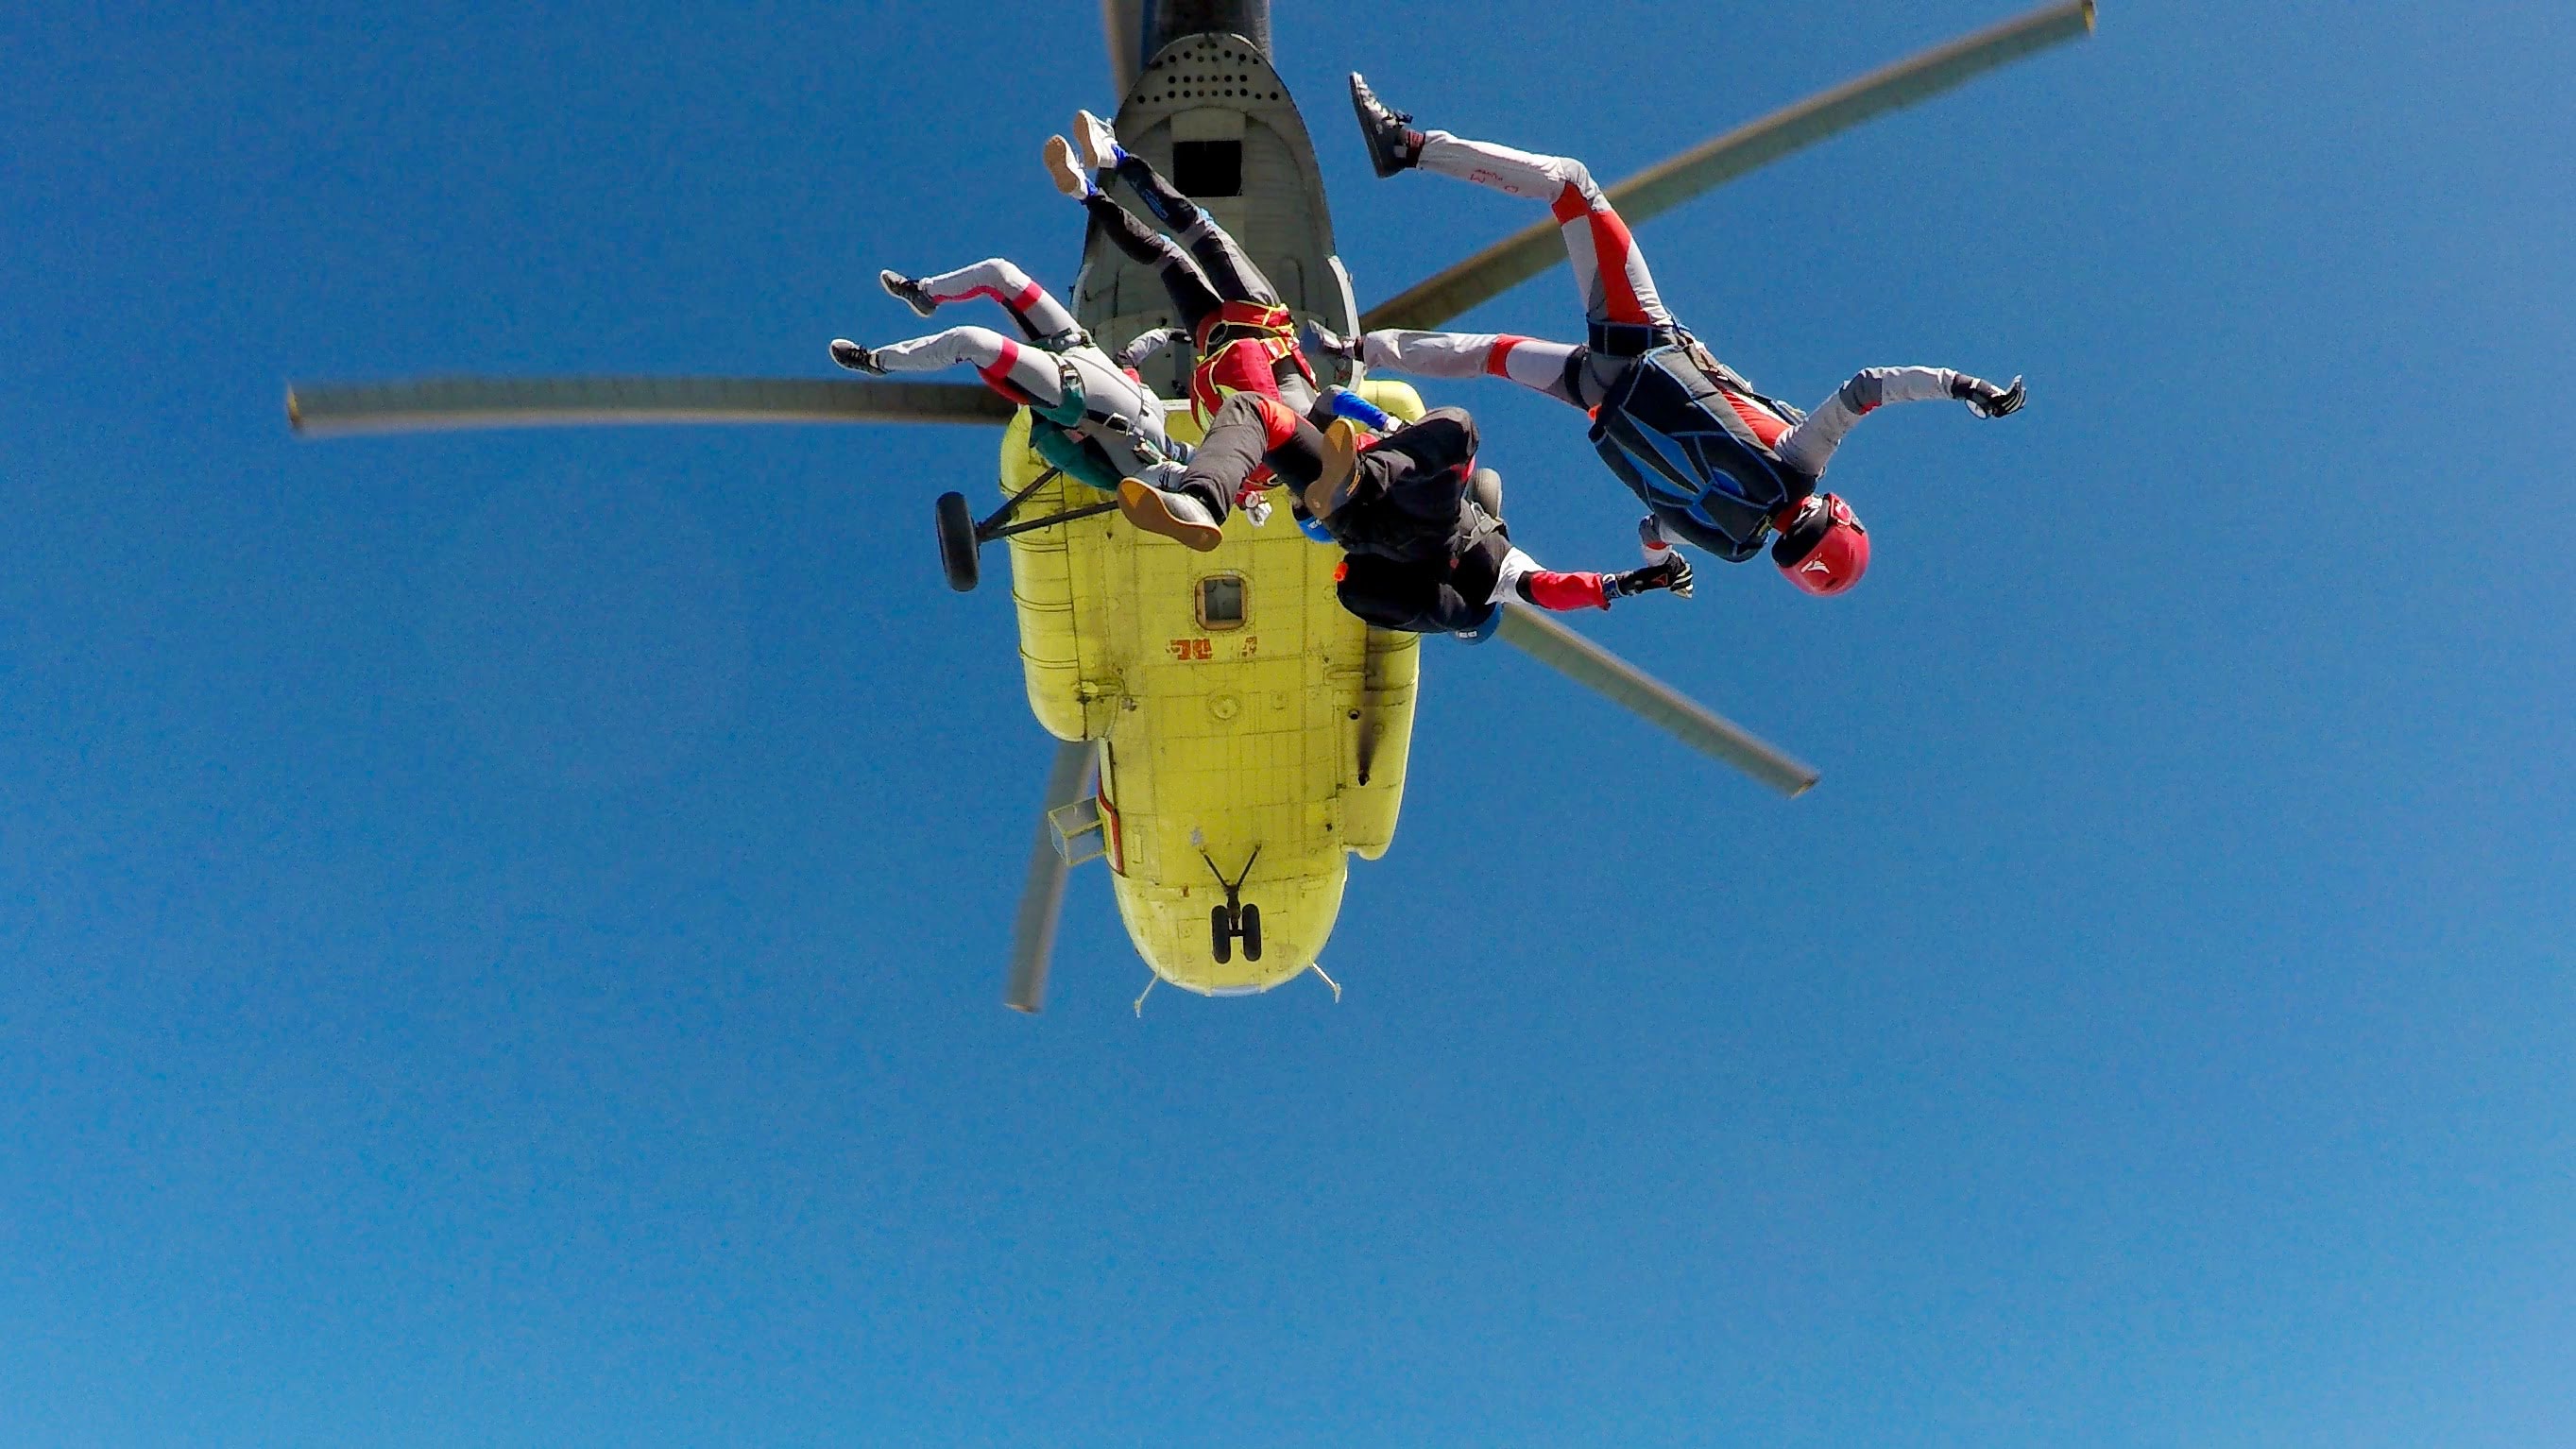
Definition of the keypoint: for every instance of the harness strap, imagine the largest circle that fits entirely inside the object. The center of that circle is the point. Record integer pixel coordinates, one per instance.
(1632, 339)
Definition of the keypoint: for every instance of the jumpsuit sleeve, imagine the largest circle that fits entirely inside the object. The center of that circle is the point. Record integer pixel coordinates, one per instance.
(1810, 445)
(1521, 578)
(1146, 344)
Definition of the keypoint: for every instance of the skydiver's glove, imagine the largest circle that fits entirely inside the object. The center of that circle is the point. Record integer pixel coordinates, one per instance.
(1985, 399)
(1255, 503)
(1146, 344)
(1316, 338)
(1348, 404)
(1673, 573)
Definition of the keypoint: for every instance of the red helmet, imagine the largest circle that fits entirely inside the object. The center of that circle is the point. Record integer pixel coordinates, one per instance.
(1822, 547)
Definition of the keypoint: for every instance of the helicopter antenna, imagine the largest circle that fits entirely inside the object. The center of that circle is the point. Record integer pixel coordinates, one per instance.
(1150, 979)
(1318, 968)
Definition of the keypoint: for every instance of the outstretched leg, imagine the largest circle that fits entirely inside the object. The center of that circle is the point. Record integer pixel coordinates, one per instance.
(1217, 252)
(1023, 374)
(1039, 315)
(1232, 271)
(1193, 296)
(1250, 431)
(1609, 271)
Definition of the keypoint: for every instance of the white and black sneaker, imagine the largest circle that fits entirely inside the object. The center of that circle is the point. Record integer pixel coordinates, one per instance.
(907, 291)
(1096, 141)
(856, 358)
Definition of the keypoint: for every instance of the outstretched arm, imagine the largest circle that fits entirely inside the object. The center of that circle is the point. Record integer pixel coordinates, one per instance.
(1145, 344)
(1810, 445)
(1521, 578)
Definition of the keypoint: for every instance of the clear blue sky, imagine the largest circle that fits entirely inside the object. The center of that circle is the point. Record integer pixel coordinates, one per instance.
(503, 934)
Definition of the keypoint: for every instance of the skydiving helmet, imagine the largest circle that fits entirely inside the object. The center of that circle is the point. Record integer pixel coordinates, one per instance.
(1822, 548)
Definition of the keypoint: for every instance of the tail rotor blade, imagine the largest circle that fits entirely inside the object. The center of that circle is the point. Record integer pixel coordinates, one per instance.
(1597, 669)
(430, 404)
(1526, 253)
(1042, 899)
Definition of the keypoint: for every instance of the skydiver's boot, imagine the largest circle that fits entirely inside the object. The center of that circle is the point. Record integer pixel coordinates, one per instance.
(1392, 145)
(1097, 143)
(1341, 453)
(1173, 514)
(907, 291)
(856, 358)
(1065, 169)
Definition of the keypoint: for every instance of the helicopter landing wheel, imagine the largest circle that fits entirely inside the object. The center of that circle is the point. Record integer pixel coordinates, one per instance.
(957, 543)
(1220, 935)
(1250, 931)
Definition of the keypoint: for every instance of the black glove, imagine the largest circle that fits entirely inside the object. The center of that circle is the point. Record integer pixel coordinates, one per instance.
(1673, 573)
(1987, 400)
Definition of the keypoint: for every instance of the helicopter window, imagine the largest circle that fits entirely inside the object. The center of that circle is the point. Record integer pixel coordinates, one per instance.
(1221, 598)
(1208, 168)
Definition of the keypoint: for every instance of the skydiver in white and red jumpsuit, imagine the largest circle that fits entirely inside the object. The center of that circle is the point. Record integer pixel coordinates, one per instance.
(1090, 414)
(1719, 465)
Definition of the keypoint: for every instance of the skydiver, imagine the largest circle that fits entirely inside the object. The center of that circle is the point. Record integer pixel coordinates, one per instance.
(1718, 465)
(1425, 548)
(1246, 338)
(1089, 412)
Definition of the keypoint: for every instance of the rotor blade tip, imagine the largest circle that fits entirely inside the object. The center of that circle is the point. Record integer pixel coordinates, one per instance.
(294, 414)
(2088, 14)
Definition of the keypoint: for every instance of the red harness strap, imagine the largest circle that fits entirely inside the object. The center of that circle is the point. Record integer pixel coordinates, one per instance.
(1240, 348)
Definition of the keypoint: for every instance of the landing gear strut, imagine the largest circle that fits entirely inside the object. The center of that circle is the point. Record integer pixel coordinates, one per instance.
(1234, 921)
(961, 534)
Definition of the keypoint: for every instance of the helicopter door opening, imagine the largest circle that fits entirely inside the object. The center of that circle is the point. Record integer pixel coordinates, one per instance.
(1223, 602)
(1208, 168)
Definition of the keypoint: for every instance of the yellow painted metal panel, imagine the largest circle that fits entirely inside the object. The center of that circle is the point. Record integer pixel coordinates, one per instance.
(1219, 742)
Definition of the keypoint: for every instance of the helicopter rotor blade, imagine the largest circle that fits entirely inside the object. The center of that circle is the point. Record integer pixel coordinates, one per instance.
(1532, 250)
(430, 404)
(1042, 899)
(1122, 22)
(1704, 730)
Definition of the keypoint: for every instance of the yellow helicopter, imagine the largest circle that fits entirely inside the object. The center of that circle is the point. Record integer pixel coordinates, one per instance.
(1229, 736)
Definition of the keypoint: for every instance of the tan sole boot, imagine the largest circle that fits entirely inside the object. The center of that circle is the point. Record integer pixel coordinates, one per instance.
(1065, 171)
(1153, 511)
(1341, 459)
